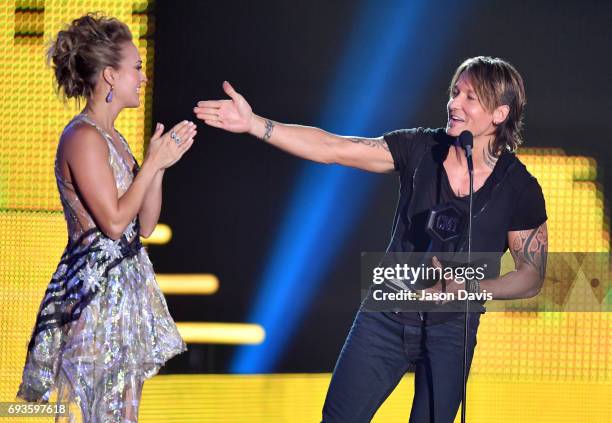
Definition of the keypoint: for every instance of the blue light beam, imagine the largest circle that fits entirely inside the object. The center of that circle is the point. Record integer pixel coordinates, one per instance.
(328, 199)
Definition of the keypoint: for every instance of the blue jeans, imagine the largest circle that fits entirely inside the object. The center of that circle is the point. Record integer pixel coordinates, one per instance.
(378, 352)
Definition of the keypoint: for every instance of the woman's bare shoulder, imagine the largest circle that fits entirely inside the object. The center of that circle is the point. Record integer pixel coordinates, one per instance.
(82, 138)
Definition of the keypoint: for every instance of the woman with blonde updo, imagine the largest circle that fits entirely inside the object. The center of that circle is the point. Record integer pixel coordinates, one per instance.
(103, 326)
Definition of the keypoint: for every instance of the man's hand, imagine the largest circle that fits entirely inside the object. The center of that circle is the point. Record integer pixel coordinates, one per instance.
(445, 285)
(233, 115)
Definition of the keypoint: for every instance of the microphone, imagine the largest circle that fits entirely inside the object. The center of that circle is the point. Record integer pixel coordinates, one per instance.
(466, 141)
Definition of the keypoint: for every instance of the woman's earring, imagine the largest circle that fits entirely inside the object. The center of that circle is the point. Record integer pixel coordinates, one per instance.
(109, 96)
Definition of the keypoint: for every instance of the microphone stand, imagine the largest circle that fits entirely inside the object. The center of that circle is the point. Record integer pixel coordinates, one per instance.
(468, 151)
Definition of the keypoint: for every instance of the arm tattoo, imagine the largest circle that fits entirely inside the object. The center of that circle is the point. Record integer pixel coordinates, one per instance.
(488, 157)
(370, 142)
(269, 128)
(531, 247)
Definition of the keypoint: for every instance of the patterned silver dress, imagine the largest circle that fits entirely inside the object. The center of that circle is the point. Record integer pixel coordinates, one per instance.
(103, 325)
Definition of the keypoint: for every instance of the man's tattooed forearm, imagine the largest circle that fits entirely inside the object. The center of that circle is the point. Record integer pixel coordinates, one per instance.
(488, 157)
(269, 128)
(370, 142)
(531, 247)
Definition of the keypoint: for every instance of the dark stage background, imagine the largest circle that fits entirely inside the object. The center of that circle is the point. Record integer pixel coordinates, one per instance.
(225, 199)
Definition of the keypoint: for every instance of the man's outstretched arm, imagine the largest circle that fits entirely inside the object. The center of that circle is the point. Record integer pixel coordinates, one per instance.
(236, 115)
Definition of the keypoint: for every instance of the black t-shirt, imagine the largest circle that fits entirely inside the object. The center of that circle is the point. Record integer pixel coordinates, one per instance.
(510, 199)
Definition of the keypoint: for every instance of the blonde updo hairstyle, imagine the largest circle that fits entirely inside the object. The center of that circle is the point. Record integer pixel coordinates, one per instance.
(84, 49)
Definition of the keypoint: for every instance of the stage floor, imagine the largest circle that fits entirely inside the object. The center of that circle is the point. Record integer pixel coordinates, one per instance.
(299, 398)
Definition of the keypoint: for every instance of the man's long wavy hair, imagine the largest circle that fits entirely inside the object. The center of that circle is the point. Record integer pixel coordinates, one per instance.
(497, 83)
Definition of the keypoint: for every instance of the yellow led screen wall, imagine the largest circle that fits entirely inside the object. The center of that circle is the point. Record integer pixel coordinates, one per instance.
(31, 115)
(573, 346)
